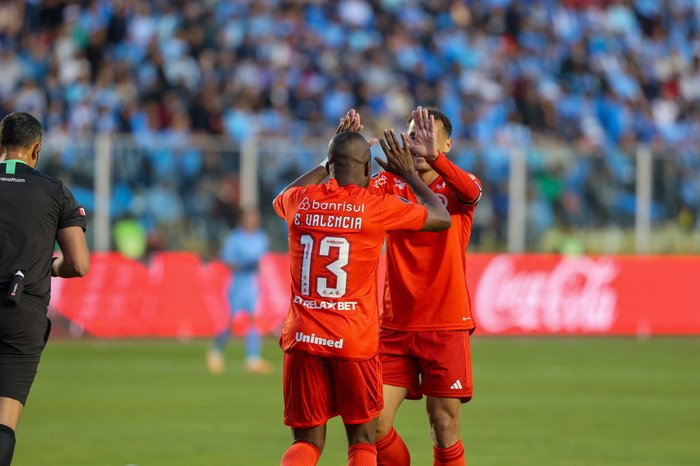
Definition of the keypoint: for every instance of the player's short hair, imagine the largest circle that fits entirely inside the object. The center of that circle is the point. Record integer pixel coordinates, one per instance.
(348, 147)
(19, 129)
(439, 116)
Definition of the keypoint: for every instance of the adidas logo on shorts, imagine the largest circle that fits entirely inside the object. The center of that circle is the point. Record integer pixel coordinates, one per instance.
(457, 385)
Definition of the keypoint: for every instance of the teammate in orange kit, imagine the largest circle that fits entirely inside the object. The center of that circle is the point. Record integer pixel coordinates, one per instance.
(424, 340)
(330, 337)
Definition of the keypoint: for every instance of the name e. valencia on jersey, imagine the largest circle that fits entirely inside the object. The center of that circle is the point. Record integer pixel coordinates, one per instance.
(343, 222)
(319, 219)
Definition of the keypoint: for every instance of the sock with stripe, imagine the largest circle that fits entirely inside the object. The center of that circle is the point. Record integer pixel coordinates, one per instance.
(301, 454)
(362, 454)
(7, 445)
(391, 451)
(450, 456)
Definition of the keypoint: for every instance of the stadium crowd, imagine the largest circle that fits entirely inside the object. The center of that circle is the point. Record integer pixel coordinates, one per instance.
(578, 84)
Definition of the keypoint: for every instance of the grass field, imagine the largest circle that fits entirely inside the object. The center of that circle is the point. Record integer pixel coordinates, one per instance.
(546, 401)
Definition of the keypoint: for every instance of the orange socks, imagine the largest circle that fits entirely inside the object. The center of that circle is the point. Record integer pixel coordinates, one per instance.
(450, 456)
(391, 451)
(362, 454)
(301, 454)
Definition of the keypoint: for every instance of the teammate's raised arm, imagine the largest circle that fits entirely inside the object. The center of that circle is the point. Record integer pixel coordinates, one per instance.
(400, 162)
(422, 138)
(313, 176)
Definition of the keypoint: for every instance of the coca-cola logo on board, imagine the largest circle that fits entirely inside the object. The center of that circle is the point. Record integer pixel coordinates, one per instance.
(574, 296)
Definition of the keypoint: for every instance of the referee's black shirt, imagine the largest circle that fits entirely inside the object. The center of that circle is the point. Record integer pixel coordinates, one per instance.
(33, 207)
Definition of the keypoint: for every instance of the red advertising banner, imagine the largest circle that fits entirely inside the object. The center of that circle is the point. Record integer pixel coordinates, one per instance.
(531, 294)
(176, 295)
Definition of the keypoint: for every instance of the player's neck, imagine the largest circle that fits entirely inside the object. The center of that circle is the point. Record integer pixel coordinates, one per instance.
(428, 176)
(346, 180)
(16, 155)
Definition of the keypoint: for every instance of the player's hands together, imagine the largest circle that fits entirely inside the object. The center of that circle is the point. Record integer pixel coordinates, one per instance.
(352, 122)
(399, 160)
(424, 140)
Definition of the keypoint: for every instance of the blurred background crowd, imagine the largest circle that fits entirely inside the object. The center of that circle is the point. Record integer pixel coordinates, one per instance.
(577, 86)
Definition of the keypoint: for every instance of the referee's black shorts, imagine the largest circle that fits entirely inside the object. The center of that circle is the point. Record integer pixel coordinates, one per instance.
(24, 331)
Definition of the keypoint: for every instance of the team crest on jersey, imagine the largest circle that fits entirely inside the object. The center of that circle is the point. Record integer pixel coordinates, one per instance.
(399, 183)
(305, 204)
(380, 181)
(442, 185)
(443, 199)
(403, 199)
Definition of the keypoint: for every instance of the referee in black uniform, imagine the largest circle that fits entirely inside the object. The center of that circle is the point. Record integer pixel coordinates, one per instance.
(35, 211)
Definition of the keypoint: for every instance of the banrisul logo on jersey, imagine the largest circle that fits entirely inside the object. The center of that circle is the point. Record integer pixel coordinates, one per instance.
(305, 204)
(338, 206)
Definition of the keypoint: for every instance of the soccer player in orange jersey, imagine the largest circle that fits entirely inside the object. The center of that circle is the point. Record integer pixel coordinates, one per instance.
(424, 340)
(330, 336)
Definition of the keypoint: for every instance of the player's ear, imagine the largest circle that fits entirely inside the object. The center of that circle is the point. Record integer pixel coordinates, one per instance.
(447, 146)
(36, 148)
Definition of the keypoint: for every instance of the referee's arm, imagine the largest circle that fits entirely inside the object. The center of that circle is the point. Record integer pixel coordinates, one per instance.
(75, 261)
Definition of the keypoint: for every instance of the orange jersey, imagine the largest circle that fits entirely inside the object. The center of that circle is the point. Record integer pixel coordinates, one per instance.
(335, 240)
(426, 285)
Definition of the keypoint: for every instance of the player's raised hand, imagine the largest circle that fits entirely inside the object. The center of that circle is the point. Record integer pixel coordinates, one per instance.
(423, 139)
(350, 122)
(399, 160)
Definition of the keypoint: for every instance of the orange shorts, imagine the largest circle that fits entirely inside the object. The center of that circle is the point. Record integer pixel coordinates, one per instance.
(431, 363)
(318, 388)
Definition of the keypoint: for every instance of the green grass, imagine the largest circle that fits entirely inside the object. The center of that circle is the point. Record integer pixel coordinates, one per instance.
(538, 401)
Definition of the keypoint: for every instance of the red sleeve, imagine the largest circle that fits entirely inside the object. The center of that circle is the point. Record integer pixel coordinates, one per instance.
(281, 202)
(466, 186)
(401, 214)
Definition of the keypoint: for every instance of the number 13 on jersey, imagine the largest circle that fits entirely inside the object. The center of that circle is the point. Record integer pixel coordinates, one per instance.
(336, 267)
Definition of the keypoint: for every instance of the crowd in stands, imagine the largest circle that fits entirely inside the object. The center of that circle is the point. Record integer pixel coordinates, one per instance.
(579, 85)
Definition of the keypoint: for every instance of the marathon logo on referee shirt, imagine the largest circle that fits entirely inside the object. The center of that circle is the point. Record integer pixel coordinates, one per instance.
(316, 340)
(313, 304)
